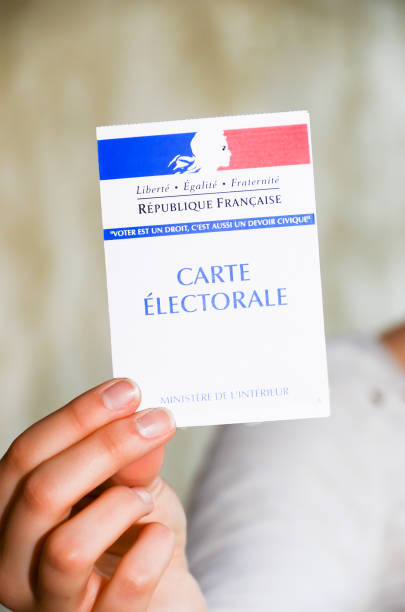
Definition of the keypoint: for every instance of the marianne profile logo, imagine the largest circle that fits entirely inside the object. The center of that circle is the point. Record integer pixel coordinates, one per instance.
(206, 150)
(210, 151)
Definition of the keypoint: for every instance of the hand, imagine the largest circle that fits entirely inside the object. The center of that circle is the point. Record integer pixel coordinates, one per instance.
(86, 523)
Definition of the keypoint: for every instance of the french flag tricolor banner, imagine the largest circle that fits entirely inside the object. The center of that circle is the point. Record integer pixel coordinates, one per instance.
(208, 150)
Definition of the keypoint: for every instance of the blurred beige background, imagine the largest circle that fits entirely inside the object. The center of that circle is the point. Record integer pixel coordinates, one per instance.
(67, 67)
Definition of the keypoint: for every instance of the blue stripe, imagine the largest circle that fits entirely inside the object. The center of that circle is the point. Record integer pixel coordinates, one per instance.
(203, 227)
(141, 155)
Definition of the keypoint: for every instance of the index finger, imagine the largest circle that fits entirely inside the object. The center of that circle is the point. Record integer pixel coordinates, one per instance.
(88, 412)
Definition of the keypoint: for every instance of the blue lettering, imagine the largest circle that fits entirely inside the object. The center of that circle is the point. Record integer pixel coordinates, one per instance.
(201, 276)
(173, 301)
(268, 303)
(237, 299)
(216, 273)
(159, 311)
(148, 306)
(214, 300)
(282, 296)
(179, 273)
(204, 299)
(230, 268)
(244, 271)
(255, 298)
(183, 304)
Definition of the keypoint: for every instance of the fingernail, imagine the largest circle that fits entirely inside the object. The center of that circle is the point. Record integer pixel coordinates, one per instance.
(120, 394)
(154, 422)
(145, 496)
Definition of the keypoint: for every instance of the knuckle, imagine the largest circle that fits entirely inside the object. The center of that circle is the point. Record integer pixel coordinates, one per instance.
(166, 536)
(78, 418)
(37, 494)
(120, 494)
(63, 555)
(111, 441)
(17, 457)
(138, 583)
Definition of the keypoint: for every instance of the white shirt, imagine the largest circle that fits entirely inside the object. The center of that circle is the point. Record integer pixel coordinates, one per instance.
(309, 515)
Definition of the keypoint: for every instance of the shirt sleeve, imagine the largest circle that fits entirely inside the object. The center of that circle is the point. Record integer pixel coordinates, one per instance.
(287, 516)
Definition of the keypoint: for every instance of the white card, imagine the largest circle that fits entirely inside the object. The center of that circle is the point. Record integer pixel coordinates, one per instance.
(213, 268)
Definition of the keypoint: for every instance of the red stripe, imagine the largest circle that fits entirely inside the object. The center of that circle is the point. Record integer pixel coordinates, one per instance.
(283, 145)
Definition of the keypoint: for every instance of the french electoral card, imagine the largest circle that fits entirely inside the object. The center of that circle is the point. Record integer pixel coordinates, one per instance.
(212, 265)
